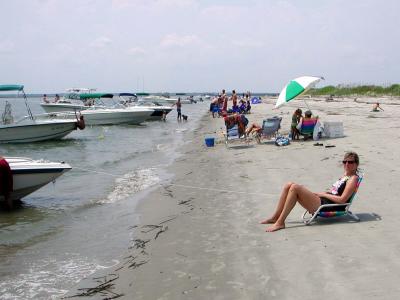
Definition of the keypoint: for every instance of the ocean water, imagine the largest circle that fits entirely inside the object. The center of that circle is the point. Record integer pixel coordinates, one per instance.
(71, 228)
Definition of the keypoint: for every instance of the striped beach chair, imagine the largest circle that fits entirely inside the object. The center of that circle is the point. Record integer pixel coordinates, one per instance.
(307, 127)
(334, 210)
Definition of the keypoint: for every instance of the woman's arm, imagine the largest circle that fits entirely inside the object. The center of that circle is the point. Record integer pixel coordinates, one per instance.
(350, 188)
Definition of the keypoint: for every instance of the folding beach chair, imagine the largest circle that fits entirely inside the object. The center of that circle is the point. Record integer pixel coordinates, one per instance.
(232, 130)
(334, 210)
(270, 128)
(307, 127)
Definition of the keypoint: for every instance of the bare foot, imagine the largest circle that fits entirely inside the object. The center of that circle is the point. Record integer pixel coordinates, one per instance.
(268, 221)
(275, 227)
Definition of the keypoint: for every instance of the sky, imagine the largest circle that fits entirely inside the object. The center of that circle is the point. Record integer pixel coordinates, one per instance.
(196, 45)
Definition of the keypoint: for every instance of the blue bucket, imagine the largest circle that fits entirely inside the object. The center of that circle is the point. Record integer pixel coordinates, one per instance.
(209, 142)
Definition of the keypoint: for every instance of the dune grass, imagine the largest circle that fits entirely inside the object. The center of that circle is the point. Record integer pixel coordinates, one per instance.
(365, 90)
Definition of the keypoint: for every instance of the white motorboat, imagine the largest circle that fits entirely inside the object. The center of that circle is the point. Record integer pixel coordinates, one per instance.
(96, 113)
(30, 175)
(114, 116)
(162, 100)
(159, 111)
(76, 99)
(30, 128)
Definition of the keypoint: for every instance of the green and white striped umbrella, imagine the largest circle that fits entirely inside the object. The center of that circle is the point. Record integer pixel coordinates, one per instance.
(295, 88)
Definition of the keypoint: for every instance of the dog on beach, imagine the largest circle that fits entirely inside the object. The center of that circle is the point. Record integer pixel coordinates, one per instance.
(184, 117)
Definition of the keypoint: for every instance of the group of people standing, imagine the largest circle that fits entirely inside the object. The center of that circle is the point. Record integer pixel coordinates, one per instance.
(219, 106)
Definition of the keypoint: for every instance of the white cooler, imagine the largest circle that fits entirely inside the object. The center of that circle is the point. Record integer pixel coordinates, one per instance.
(333, 129)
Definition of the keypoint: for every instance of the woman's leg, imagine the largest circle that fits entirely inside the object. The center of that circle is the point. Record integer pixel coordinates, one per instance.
(280, 205)
(297, 193)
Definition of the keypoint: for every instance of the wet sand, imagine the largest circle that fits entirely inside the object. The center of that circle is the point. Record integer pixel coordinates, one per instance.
(199, 235)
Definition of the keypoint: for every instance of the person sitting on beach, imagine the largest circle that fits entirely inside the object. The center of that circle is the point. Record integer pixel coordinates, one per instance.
(376, 106)
(248, 105)
(292, 193)
(310, 121)
(236, 119)
(6, 181)
(242, 107)
(254, 128)
(296, 117)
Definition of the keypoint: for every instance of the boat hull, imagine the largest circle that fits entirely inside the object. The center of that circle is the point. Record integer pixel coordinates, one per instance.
(35, 132)
(115, 116)
(30, 175)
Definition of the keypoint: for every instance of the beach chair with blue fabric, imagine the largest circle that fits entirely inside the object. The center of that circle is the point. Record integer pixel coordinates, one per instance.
(307, 127)
(334, 210)
(235, 128)
(270, 128)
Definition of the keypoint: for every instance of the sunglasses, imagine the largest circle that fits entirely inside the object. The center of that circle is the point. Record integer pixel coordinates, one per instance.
(350, 162)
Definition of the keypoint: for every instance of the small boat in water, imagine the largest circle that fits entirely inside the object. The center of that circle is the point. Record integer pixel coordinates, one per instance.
(30, 175)
(159, 111)
(76, 99)
(162, 100)
(31, 128)
(96, 112)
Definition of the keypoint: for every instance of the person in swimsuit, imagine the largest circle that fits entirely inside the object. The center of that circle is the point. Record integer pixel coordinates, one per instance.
(292, 193)
(6, 181)
(295, 133)
(376, 107)
(179, 109)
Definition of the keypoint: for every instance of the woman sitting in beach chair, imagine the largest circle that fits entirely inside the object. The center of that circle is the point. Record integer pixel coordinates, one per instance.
(307, 125)
(239, 120)
(340, 193)
(269, 129)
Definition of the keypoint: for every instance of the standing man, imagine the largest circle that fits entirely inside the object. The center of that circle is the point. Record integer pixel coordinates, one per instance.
(234, 101)
(179, 109)
(224, 101)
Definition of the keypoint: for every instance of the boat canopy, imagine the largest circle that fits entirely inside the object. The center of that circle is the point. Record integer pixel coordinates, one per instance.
(94, 96)
(127, 95)
(11, 87)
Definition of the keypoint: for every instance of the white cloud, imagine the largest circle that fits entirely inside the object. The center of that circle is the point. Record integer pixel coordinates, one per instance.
(136, 51)
(248, 43)
(175, 40)
(153, 4)
(101, 42)
(6, 46)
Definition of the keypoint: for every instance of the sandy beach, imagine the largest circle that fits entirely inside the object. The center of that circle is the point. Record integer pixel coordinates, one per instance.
(199, 235)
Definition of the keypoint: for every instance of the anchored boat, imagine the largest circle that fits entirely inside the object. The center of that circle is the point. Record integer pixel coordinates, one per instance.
(31, 128)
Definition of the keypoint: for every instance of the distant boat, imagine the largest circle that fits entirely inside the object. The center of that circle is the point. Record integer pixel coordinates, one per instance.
(97, 113)
(162, 100)
(30, 175)
(131, 100)
(76, 99)
(30, 128)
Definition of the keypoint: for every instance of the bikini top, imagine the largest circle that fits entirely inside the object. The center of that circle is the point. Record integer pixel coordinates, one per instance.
(339, 186)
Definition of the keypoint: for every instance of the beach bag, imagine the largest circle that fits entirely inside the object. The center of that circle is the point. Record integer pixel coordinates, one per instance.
(282, 141)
